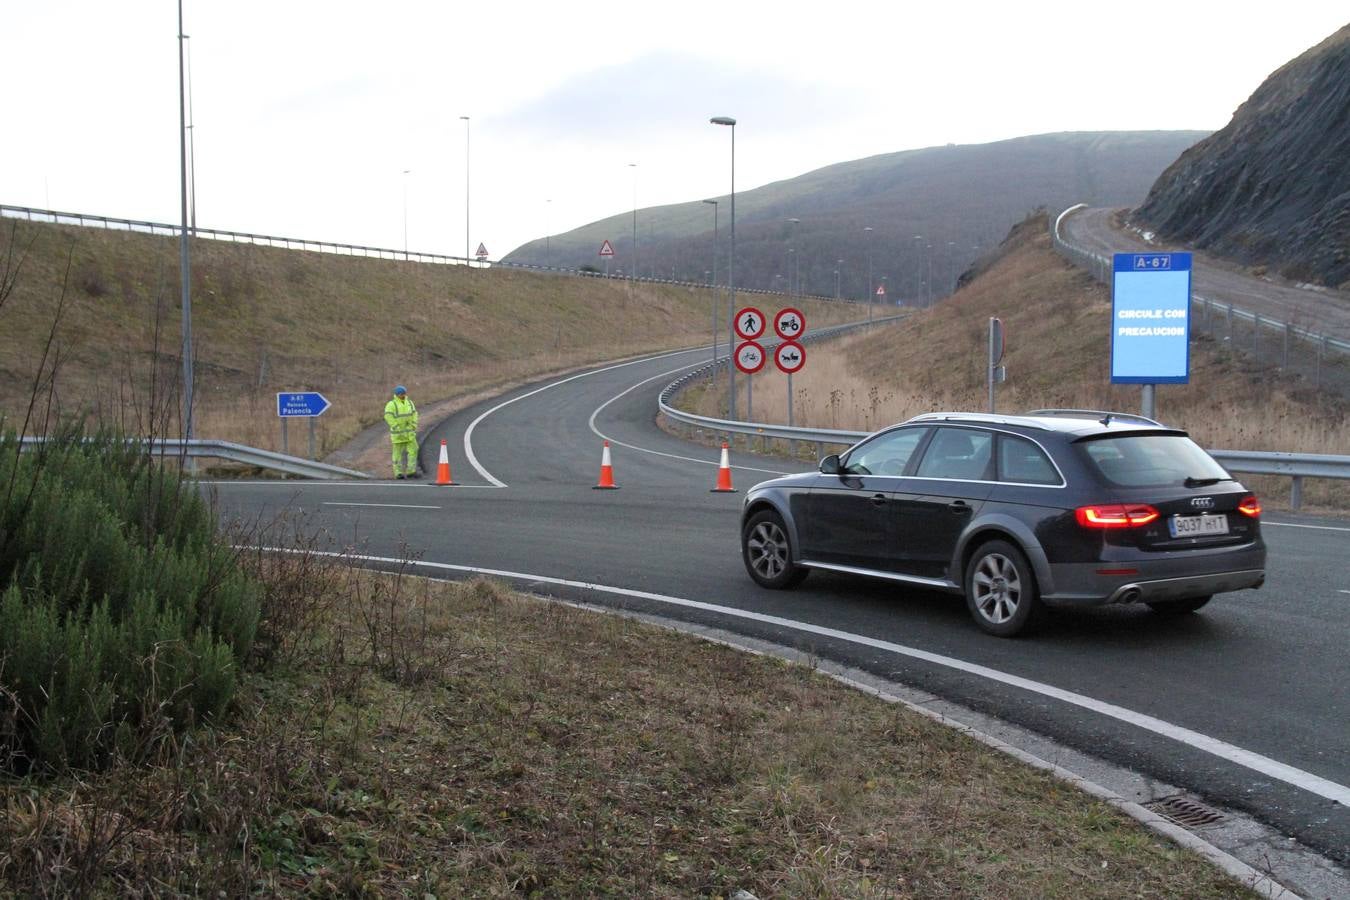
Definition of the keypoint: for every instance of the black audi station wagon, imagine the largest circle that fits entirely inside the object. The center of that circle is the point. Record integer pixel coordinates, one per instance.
(1055, 507)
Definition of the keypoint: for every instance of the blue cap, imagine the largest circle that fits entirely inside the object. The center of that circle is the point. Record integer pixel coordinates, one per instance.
(400, 389)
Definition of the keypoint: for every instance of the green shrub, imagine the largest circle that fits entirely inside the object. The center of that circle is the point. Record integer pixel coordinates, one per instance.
(122, 617)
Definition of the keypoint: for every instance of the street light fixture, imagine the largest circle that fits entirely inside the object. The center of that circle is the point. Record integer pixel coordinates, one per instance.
(731, 265)
(465, 120)
(714, 278)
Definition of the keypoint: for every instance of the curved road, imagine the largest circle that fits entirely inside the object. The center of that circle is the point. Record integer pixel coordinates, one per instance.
(1260, 672)
(1321, 310)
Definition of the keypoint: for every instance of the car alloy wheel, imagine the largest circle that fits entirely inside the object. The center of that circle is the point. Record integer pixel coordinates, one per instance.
(767, 553)
(1001, 590)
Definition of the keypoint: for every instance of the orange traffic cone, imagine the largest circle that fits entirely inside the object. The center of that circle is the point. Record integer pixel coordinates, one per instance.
(443, 468)
(724, 474)
(606, 472)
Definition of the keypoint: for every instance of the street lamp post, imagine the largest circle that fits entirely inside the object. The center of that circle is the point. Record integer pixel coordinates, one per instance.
(184, 255)
(868, 231)
(634, 276)
(192, 140)
(793, 257)
(918, 273)
(405, 212)
(714, 278)
(731, 264)
(838, 267)
(951, 266)
(548, 238)
(465, 120)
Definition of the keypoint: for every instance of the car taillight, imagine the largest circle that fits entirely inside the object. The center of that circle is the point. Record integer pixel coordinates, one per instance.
(1250, 506)
(1115, 515)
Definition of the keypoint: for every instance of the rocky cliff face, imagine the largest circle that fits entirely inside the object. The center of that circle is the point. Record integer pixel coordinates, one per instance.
(1273, 187)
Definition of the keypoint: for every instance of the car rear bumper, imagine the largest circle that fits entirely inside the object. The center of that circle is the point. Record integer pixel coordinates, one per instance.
(1095, 584)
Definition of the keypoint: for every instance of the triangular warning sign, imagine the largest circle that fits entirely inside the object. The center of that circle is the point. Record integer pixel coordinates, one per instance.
(881, 290)
(482, 252)
(606, 249)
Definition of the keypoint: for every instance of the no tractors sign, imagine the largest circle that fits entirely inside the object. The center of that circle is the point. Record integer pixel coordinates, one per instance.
(789, 324)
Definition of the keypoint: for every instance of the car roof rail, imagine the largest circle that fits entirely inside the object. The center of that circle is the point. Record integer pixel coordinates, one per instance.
(1101, 415)
(986, 418)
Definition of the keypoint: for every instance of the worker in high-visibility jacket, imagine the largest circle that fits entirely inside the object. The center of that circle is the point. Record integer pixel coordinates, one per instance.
(401, 415)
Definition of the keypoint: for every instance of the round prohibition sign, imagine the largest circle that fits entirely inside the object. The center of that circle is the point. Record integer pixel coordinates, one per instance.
(750, 357)
(789, 357)
(750, 323)
(789, 324)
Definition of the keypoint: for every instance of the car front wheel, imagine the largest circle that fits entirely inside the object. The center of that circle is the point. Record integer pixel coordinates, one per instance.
(767, 554)
(1001, 590)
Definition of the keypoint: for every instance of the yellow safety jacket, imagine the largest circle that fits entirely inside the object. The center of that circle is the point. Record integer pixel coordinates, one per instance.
(401, 415)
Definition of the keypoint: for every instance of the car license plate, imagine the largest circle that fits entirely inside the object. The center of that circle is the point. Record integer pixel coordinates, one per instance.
(1197, 526)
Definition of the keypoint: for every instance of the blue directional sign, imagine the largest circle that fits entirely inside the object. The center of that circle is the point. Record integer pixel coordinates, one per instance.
(1151, 318)
(310, 403)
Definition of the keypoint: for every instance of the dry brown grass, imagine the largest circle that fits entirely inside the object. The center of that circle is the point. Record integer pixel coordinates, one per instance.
(1057, 322)
(268, 320)
(464, 740)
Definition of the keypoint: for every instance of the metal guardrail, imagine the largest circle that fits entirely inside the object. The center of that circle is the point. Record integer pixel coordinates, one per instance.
(1248, 462)
(58, 217)
(240, 453)
(1100, 266)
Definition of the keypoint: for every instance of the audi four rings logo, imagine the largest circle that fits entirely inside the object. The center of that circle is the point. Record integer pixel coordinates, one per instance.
(1203, 502)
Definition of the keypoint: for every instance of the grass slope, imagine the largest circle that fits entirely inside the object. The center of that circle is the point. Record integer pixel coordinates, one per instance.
(430, 740)
(268, 319)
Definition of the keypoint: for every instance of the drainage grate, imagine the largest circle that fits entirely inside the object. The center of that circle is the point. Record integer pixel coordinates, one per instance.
(1187, 813)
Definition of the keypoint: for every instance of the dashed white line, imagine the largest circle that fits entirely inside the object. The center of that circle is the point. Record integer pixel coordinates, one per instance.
(1314, 784)
(468, 433)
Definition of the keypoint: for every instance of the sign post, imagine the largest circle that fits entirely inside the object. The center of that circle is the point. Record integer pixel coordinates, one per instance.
(606, 253)
(749, 355)
(789, 356)
(1150, 322)
(997, 373)
(300, 404)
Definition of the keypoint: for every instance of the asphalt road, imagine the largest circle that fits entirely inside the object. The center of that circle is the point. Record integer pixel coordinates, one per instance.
(1259, 672)
(1321, 310)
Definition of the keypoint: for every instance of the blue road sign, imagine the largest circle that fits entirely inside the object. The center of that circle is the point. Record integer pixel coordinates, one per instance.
(1151, 318)
(310, 403)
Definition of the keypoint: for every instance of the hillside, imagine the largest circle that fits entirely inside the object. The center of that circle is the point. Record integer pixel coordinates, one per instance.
(1057, 324)
(269, 319)
(1273, 187)
(961, 199)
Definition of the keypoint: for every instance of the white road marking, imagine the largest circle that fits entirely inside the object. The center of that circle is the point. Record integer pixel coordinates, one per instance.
(1343, 592)
(617, 442)
(1293, 525)
(380, 505)
(298, 485)
(468, 434)
(1314, 784)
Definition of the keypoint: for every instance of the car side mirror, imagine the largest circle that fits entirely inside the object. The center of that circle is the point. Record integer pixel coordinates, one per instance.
(830, 465)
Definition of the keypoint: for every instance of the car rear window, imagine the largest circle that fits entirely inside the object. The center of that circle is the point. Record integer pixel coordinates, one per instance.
(1150, 460)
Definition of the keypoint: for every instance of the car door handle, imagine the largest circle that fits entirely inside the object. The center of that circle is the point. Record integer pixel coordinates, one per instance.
(960, 507)
(878, 499)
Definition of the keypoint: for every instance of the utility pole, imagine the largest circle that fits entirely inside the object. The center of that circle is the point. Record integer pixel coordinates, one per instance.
(184, 254)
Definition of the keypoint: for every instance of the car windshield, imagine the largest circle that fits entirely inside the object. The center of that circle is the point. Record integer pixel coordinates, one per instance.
(1151, 460)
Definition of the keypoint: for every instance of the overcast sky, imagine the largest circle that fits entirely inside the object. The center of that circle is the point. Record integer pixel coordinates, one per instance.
(307, 114)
